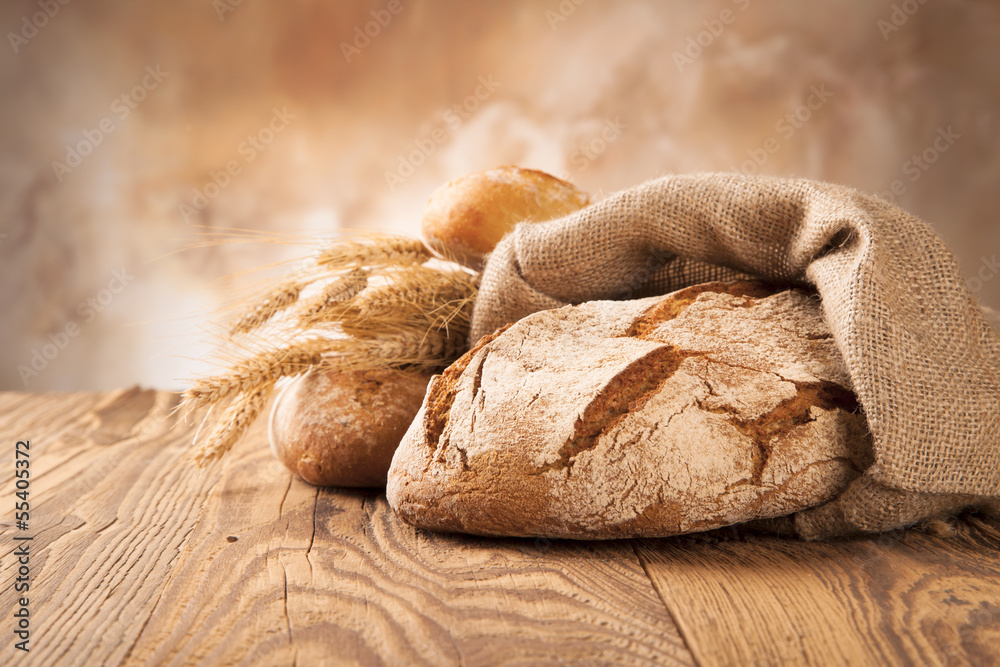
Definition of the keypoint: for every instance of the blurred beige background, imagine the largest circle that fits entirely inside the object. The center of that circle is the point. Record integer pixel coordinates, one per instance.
(129, 128)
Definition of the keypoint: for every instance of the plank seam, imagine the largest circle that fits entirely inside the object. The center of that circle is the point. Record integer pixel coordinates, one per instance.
(670, 613)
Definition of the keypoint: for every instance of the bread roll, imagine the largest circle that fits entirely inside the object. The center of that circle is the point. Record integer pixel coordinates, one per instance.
(335, 428)
(714, 405)
(467, 217)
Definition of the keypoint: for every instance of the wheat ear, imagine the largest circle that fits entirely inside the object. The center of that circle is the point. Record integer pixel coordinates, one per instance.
(413, 297)
(319, 309)
(381, 251)
(412, 316)
(232, 424)
(417, 347)
(267, 307)
(257, 371)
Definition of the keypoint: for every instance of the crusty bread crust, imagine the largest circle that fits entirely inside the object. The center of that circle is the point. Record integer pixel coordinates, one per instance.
(336, 428)
(711, 406)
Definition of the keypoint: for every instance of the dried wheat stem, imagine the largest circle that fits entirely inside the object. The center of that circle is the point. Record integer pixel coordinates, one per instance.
(412, 297)
(455, 314)
(381, 251)
(232, 424)
(319, 309)
(257, 372)
(414, 347)
(273, 302)
(412, 316)
(452, 318)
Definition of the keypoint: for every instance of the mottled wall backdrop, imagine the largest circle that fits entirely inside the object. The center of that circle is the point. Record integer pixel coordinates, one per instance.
(128, 128)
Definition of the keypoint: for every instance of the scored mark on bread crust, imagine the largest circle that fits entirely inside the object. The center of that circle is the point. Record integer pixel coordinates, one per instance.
(672, 306)
(631, 389)
(442, 390)
(788, 415)
(626, 392)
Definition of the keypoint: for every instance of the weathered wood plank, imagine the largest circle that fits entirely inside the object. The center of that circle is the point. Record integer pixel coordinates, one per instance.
(901, 598)
(140, 558)
(333, 577)
(106, 504)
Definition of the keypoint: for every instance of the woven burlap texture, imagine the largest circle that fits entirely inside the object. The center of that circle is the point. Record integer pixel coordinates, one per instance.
(924, 362)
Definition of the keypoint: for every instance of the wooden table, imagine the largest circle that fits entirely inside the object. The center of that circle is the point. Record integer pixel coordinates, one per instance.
(138, 557)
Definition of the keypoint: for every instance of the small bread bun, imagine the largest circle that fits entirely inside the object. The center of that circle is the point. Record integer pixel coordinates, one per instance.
(466, 217)
(336, 428)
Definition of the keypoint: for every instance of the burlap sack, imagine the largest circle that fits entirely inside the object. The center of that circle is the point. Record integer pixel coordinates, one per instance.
(924, 361)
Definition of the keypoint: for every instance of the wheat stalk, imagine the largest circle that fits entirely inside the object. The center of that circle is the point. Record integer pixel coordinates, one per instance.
(412, 297)
(233, 423)
(256, 372)
(274, 301)
(429, 350)
(381, 251)
(320, 308)
(414, 316)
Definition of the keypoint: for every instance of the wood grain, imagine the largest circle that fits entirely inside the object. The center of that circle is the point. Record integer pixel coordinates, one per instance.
(898, 599)
(140, 558)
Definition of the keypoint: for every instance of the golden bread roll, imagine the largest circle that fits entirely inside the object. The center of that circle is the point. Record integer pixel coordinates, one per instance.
(337, 428)
(466, 217)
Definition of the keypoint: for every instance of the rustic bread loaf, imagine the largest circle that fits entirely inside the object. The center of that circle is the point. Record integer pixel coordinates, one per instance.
(710, 406)
(466, 217)
(336, 428)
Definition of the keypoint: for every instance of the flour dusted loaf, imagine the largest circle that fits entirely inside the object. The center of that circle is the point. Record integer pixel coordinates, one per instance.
(340, 428)
(713, 405)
